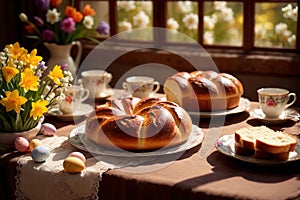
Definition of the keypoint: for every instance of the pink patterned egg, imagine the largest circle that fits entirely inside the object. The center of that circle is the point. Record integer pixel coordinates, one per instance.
(21, 144)
(78, 155)
(48, 129)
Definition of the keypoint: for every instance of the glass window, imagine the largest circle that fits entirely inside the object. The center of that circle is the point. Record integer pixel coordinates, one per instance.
(235, 24)
(182, 16)
(223, 23)
(276, 24)
(135, 14)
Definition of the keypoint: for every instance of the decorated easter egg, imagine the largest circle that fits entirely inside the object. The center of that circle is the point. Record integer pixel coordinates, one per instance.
(73, 165)
(78, 155)
(40, 153)
(34, 143)
(48, 129)
(21, 144)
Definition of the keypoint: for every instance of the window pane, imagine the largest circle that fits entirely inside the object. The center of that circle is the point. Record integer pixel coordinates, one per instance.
(223, 23)
(135, 14)
(102, 15)
(182, 16)
(275, 24)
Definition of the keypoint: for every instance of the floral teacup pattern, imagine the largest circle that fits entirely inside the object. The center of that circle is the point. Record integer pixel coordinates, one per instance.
(273, 101)
(96, 81)
(141, 86)
(74, 96)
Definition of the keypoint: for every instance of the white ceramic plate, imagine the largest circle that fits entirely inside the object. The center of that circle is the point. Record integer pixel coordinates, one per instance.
(225, 145)
(78, 139)
(84, 110)
(285, 116)
(244, 105)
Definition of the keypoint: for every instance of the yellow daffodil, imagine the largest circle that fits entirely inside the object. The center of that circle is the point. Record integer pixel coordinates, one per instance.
(32, 59)
(28, 80)
(27, 90)
(13, 101)
(16, 51)
(38, 108)
(56, 74)
(9, 71)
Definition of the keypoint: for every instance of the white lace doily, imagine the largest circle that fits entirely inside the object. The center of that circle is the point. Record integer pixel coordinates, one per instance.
(48, 180)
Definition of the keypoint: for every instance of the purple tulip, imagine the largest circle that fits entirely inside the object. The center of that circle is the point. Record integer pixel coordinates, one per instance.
(39, 22)
(68, 25)
(47, 35)
(42, 4)
(103, 28)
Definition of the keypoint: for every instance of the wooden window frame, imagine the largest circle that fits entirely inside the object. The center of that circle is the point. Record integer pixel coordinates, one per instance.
(244, 59)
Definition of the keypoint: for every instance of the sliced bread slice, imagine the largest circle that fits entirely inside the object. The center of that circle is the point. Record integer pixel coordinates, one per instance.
(265, 139)
(259, 154)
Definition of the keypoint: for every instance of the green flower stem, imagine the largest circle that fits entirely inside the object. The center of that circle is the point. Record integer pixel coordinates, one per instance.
(5, 122)
(18, 122)
(36, 29)
(26, 114)
(12, 120)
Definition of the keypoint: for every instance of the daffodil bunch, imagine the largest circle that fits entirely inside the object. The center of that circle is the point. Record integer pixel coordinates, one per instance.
(26, 93)
(62, 25)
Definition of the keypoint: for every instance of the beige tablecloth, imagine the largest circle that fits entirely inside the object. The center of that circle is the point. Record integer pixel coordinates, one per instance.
(48, 180)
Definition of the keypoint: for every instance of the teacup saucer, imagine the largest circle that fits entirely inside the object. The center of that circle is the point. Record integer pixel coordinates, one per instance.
(288, 114)
(84, 110)
(105, 94)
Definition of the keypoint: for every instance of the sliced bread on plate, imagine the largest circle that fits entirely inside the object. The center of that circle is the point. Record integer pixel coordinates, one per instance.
(264, 143)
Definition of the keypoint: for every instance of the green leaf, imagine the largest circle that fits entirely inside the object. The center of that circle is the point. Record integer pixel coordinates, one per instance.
(94, 40)
(5, 122)
(33, 37)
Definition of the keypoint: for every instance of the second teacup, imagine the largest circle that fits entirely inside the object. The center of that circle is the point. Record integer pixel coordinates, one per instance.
(96, 81)
(141, 86)
(273, 101)
(74, 96)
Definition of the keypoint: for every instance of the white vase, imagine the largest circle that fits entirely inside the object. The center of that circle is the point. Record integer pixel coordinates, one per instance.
(61, 54)
(8, 139)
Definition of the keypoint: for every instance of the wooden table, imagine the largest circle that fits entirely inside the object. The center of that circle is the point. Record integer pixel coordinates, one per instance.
(213, 177)
(188, 176)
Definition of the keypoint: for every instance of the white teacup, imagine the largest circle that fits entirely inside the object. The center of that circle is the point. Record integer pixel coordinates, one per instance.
(74, 96)
(96, 81)
(273, 101)
(141, 86)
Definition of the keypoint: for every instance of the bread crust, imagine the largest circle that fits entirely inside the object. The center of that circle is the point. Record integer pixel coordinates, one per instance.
(264, 143)
(204, 90)
(259, 154)
(141, 125)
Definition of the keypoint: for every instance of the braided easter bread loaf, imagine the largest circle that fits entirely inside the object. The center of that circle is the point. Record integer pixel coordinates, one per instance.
(139, 124)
